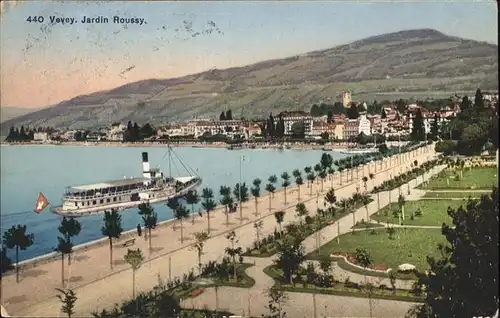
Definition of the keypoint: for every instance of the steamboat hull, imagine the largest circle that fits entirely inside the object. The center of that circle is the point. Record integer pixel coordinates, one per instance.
(86, 211)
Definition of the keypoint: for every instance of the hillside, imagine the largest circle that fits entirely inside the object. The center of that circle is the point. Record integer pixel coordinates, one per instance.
(7, 113)
(416, 63)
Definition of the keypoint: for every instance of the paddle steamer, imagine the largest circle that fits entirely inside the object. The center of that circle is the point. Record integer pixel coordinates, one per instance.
(152, 187)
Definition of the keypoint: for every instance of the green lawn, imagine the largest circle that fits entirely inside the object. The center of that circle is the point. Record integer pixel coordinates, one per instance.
(477, 178)
(434, 212)
(456, 194)
(411, 245)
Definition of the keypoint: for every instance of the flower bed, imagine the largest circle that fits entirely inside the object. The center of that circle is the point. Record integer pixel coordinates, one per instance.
(197, 292)
(352, 259)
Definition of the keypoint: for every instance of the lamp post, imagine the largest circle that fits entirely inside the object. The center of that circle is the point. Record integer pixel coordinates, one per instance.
(242, 158)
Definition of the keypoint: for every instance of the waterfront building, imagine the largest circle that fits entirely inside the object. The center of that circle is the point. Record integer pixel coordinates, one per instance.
(116, 132)
(354, 127)
(228, 128)
(293, 117)
(338, 131)
(40, 136)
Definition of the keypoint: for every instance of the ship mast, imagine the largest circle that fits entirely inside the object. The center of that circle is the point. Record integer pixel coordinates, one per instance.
(169, 162)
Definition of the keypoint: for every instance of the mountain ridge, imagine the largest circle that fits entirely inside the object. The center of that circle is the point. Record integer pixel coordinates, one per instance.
(408, 61)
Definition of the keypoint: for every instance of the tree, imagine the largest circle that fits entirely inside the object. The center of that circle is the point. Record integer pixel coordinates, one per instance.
(240, 191)
(192, 198)
(311, 177)
(352, 112)
(112, 228)
(173, 204)
(363, 258)
(478, 100)
(401, 203)
(301, 211)
(322, 175)
(277, 299)
(365, 183)
(329, 118)
(208, 204)
(291, 254)
(331, 198)
(258, 227)
(256, 194)
(68, 300)
(298, 181)
(233, 251)
(473, 139)
(226, 200)
(16, 237)
(69, 228)
(463, 282)
(181, 213)
(435, 128)
(200, 239)
(307, 171)
(229, 115)
(465, 104)
(64, 246)
(417, 130)
(286, 182)
(366, 201)
(273, 180)
(222, 116)
(149, 217)
(279, 216)
(271, 189)
(134, 258)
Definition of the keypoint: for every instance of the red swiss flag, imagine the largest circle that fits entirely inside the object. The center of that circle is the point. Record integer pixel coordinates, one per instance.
(41, 203)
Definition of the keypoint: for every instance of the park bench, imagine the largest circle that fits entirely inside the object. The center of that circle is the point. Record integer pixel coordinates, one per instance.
(129, 242)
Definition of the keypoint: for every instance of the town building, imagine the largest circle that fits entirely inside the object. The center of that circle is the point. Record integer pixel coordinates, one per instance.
(252, 131)
(228, 128)
(290, 118)
(354, 127)
(338, 131)
(40, 136)
(116, 132)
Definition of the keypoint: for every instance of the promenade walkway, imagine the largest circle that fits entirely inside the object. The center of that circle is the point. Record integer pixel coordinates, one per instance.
(253, 301)
(98, 287)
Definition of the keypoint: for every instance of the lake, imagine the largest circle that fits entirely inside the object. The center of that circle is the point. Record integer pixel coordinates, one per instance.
(28, 170)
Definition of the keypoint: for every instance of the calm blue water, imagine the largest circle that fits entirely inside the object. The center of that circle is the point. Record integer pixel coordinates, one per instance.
(28, 170)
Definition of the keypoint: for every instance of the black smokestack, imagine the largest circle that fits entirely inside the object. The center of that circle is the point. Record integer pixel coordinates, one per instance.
(145, 157)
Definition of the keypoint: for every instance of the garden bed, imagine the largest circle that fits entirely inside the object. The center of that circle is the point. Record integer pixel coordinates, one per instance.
(345, 288)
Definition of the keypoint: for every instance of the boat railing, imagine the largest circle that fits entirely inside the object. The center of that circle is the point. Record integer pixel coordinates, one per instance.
(97, 196)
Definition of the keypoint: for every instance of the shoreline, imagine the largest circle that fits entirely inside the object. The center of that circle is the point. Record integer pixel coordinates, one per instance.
(331, 146)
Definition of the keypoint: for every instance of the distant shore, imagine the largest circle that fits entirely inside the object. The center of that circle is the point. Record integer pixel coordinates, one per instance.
(291, 146)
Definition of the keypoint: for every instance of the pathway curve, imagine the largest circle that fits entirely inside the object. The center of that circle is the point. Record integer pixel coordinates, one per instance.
(97, 287)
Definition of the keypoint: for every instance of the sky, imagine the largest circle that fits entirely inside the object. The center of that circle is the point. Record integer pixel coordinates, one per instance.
(43, 63)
